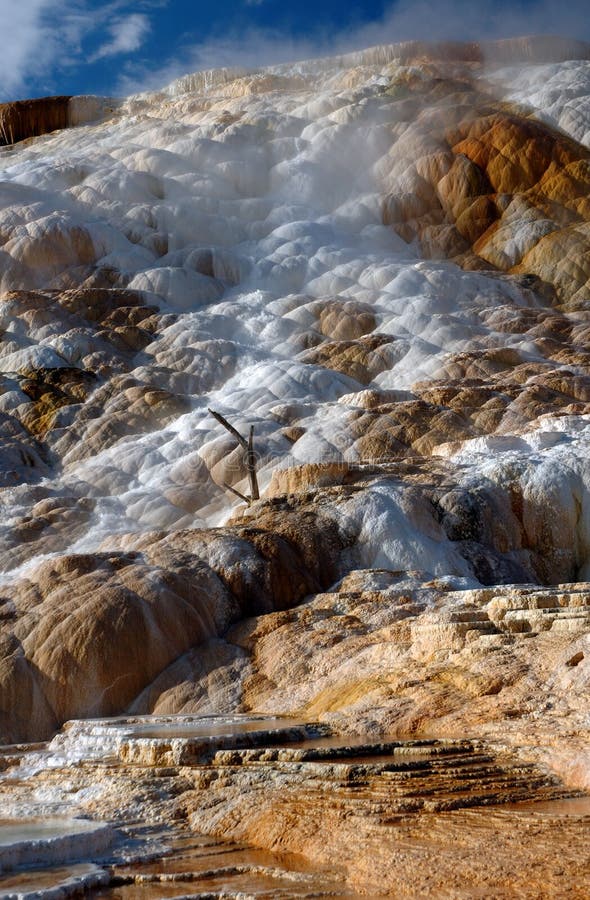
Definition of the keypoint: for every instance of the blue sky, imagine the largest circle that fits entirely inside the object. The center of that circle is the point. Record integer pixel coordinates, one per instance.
(118, 47)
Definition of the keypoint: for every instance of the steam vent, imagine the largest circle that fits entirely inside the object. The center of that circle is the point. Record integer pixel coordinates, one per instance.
(373, 681)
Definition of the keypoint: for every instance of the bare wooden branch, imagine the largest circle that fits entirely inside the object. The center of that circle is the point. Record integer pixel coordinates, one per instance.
(237, 493)
(251, 466)
(250, 459)
(222, 421)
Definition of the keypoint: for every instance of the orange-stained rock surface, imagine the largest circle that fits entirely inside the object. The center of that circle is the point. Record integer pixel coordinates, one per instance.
(28, 118)
(85, 635)
(307, 812)
(497, 190)
(22, 119)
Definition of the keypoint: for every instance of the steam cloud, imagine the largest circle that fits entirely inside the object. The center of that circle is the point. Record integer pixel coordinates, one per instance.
(426, 20)
(48, 35)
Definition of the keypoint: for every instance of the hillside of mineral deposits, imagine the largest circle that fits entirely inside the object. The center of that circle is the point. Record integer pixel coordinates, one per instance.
(381, 261)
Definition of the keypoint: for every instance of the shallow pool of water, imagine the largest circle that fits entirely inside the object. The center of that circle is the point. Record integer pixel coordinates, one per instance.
(41, 841)
(219, 727)
(14, 831)
(74, 877)
(566, 806)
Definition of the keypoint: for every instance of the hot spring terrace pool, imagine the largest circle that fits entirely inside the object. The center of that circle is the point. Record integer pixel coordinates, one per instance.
(36, 841)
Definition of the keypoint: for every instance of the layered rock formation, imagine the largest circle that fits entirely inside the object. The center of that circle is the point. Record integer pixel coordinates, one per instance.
(450, 815)
(381, 262)
(85, 635)
(29, 118)
(24, 119)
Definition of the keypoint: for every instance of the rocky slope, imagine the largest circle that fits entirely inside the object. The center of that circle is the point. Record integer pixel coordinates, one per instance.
(309, 815)
(381, 262)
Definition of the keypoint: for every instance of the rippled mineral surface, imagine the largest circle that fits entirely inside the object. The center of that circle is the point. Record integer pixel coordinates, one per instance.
(375, 679)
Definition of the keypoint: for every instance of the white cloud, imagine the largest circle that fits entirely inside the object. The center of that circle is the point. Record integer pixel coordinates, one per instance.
(42, 36)
(22, 47)
(127, 34)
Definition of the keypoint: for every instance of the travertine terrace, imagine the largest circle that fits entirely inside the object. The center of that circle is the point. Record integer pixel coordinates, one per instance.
(382, 262)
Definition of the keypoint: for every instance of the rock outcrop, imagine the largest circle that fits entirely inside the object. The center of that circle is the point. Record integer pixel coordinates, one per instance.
(22, 119)
(346, 808)
(494, 190)
(29, 118)
(86, 635)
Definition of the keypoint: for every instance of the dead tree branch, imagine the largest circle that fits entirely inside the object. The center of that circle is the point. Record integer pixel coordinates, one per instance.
(236, 492)
(223, 421)
(250, 458)
(251, 466)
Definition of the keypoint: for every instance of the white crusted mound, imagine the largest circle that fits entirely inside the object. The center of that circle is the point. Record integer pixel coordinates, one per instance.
(243, 203)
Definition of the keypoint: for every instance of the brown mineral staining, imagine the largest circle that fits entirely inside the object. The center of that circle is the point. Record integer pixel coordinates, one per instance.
(29, 118)
(344, 320)
(300, 479)
(475, 393)
(23, 119)
(49, 390)
(362, 359)
(498, 189)
(102, 330)
(123, 406)
(87, 634)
